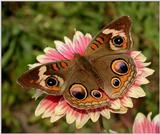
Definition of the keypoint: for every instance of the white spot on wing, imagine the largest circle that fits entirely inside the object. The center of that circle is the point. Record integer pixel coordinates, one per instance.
(114, 32)
(42, 70)
(41, 75)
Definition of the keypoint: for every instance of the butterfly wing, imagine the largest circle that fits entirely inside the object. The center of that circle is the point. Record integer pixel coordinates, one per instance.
(83, 92)
(117, 72)
(114, 38)
(50, 77)
(67, 78)
(107, 53)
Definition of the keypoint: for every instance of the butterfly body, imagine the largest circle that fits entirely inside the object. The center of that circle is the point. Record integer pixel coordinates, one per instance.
(89, 81)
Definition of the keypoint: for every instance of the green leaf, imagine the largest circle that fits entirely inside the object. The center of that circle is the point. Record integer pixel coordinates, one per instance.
(9, 53)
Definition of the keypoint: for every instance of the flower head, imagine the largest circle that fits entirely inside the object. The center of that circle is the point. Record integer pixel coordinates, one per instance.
(57, 107)
(146, 125)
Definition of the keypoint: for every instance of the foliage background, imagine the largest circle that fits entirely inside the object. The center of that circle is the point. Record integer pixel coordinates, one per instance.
(28, 27)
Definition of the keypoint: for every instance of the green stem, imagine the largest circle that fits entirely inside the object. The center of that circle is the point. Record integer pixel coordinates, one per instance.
(100, 126)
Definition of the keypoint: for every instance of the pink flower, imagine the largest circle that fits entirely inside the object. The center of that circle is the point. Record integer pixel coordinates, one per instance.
(145, 125)
(57, 107)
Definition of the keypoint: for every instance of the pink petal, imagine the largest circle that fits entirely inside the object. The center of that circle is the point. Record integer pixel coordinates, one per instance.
(143, 124)
(55, 117)
(140, 57)
(70, 115)
(54, 53)
(116, 104)
(70, 44)
(141, 80)
(156, 122)
(146, 72)
(81, 42)
(46, 104)
(122, 110)
(105, 113)
(134, 54)
(64, 49)
(127, 102)
(50, 56)
(62, 107)
(88, 37)
(81, 119)
(140, 64)
(78, 43)
(49, 111)
(94, 115)
(136, 92)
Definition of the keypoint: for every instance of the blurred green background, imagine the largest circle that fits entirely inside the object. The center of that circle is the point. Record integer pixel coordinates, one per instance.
(29, 27)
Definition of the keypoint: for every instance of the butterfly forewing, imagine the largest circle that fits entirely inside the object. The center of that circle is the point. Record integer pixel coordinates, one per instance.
(50, 77)
(104, 42)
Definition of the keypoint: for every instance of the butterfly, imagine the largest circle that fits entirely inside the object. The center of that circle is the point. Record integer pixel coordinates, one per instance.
(104, 72)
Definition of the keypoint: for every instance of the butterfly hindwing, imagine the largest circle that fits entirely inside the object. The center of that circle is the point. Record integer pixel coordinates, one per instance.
(117, 72)
(83, 91)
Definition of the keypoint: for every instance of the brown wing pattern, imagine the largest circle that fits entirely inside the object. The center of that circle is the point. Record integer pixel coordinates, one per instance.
(50, 77)
(103, 42)
(117, 72)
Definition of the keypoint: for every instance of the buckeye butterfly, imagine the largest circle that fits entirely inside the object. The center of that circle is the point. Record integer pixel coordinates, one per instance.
(89, 81)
